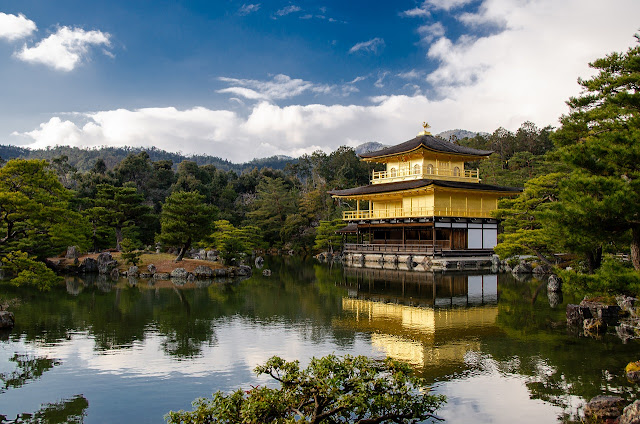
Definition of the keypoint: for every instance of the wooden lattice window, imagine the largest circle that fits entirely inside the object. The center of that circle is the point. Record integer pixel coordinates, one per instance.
(416, 169)
(456, 171)
(394, 173)
(429, 169)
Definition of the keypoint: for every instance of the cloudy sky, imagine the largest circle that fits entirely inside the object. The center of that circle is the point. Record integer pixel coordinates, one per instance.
(240, 80)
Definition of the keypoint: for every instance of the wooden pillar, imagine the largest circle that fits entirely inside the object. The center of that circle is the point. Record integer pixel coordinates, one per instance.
(358, 208)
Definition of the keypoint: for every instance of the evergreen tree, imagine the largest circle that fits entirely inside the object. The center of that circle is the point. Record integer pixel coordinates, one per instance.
(185, 219)
(601, 138)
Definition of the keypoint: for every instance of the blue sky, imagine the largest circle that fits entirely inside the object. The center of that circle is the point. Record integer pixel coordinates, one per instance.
(241, 79)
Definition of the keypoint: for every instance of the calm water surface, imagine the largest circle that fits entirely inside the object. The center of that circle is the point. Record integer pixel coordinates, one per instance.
(97, 351)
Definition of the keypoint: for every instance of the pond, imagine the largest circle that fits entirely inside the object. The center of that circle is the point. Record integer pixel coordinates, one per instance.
(98, 351)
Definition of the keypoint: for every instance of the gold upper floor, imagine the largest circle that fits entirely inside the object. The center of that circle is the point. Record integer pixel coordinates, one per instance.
(424, 165)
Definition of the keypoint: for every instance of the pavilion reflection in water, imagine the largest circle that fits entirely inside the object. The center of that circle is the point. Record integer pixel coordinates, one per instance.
(430, 320)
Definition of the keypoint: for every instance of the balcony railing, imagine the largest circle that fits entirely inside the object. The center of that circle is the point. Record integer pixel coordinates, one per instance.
(413, 213)
(469, 175)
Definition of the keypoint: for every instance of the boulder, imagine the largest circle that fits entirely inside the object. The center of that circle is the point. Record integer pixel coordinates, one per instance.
(151, 268)
(259, 262)
(629, 305)
(542, 270)
(554, 284)
(161, 276)
(523, 267)
(202, 271)
(90, 265)
(7, 320)
(243, 271)
(631, 414)
(72, 252)
(106, 264)
(191, 277)
(495, 261)
(602, 408)
(221, 272)
(610, 314)
(179, 273)
(211, 255)
(576, 314)
(266, 273)
(145, 275)
(132, 271)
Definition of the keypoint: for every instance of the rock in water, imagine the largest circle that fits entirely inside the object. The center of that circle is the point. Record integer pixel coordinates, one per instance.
(266, 273)
(133, 271)
(602, 408)
(631, 414)
(6, 319)
(90, 265)
(179, 273)
(202, 271)
(151, 268)
(554, 284)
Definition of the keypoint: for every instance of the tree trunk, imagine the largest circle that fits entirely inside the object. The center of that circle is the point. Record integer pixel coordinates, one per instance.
(118, 237)
(594, 259)
(635, 247)
(183, 250)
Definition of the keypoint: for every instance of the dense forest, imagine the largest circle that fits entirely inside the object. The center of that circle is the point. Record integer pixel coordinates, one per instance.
(580, 205)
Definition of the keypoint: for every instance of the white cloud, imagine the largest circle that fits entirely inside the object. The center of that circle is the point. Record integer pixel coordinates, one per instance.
(380, 81)
(430, 32)
(14, 27)
(415, 12)
(525, 72)
(370, 46)
(280, 87)
(445, 4)
(410, 75)
(249, 8)
(64, 49)
(289, 9)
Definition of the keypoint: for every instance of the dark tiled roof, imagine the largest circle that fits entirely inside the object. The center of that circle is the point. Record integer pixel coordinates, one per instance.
(430, 142)
(413, 184)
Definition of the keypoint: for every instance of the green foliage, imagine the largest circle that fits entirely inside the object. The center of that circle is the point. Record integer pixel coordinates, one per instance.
(326, 237)
(234, 242)
(523, 220)
(130, 254)
(119, 208)
(331, 389)
(185, 219)
(34, 211)
(601, 138)
(28, 271)
(613, 277)
(275, 201)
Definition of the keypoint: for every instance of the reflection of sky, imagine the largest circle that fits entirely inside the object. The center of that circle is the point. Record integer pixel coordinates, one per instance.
(142, 383)
(489, 395)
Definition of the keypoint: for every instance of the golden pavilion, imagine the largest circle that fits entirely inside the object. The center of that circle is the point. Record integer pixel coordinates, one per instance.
(425, 202)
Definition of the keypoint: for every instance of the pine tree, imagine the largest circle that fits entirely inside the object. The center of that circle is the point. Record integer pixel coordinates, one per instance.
(600, 137)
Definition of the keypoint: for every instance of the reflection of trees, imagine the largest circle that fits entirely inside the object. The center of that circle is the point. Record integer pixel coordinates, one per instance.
(123, 315)
(565, 365)
(70, 411)
(27, 368)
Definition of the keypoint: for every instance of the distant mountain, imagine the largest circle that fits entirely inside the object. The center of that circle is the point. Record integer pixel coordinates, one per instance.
(459, 134)
(84, 159)
(371, 146)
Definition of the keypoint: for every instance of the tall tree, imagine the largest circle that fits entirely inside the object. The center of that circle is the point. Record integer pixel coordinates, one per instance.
(601, 138)
(119, 208)
(34, 210)
(275, 201)
(185, 219)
